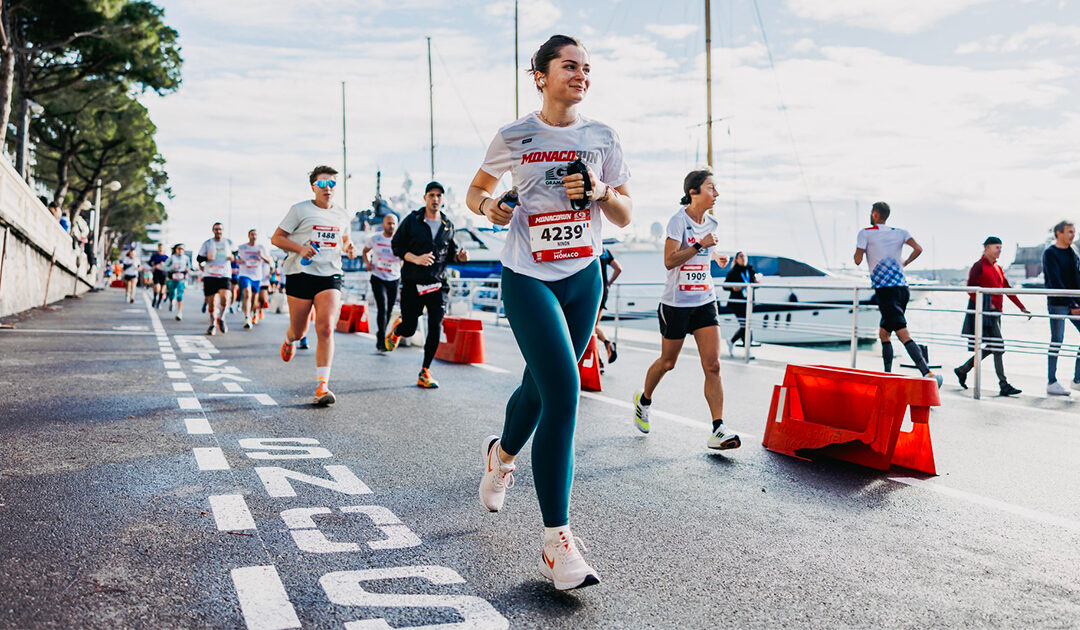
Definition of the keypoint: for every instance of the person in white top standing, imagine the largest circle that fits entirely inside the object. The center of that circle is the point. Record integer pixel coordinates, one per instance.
(252, 258)
(216, 255)
(315, 234)
(883, 247)
(385, 270)
(551, 284)
(688, 304)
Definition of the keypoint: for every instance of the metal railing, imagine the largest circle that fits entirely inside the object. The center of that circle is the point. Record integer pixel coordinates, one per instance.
(485, 294)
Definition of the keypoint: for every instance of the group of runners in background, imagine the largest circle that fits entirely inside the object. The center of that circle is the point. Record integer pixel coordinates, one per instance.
(568, 175)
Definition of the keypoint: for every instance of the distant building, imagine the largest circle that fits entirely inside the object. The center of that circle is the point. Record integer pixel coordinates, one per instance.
(1029, 259)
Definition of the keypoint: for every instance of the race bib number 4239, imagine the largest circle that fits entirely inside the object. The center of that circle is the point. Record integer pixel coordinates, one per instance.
(560, 235)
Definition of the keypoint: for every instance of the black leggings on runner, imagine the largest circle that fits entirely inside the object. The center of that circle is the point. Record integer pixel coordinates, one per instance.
(385, 295)
(412, 304)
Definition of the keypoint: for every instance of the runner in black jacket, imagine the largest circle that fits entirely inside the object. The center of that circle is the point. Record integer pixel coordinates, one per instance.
(425, 242)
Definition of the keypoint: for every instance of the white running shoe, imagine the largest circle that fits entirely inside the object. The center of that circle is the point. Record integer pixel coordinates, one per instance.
(178, 318)
(498, 476)
(723, 439)
(730, 348)
(641, 413)
(1055, 389)
(561, 562)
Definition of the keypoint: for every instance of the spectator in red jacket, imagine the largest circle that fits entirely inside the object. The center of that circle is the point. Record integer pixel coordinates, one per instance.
(987, 273)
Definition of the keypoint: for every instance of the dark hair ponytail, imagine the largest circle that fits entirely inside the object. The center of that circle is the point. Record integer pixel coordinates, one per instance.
(693, 181)
(548, 52)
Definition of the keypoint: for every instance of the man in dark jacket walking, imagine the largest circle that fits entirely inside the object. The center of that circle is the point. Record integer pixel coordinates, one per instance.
(1061, 270)
(425, 243)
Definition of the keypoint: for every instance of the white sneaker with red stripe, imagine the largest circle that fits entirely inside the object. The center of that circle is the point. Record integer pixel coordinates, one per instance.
(498, 476)
(561, 562)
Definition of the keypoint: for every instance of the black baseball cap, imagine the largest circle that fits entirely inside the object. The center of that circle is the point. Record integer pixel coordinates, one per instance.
(991, 240)
(432, 185)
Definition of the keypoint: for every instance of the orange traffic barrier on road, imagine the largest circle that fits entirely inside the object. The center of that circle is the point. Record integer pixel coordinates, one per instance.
(852, 415)
(353, 318)
(344, 320)
(462, 341)
(589, 367)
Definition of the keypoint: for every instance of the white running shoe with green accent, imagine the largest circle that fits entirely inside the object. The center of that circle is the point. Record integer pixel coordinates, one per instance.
(723, 439)
(498, 476)
(641, 413)
(561, 562)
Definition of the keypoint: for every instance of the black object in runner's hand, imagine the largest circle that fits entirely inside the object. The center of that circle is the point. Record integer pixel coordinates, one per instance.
(510, 198)
(577, 166)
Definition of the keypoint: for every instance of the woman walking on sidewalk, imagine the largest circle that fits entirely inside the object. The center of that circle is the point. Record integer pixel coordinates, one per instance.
(742, 272)
(550, 283)
(688, 305)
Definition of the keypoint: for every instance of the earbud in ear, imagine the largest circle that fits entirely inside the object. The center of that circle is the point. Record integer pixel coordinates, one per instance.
(543, 83)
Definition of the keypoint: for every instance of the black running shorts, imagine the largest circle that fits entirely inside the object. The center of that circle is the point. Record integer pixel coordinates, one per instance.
(306, 286)
(159, 276)
(678, 321)
(211, 285)
(892, 302)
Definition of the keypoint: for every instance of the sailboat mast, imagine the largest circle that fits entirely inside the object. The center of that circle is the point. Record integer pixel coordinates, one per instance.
(344, 154)
(431, 108)
(708, 78)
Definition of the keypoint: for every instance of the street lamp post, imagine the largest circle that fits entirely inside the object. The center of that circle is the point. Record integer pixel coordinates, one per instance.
(96, 221)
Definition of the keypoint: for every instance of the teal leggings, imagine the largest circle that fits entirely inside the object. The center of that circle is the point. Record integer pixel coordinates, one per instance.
(552, 323)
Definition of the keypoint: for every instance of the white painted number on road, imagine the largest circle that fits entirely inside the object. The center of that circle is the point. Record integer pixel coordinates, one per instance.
(345, 588)
(276, 480)
(280, 444)
(306, 534)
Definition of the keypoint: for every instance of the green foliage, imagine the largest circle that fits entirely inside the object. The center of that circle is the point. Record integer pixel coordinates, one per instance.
(85, 61)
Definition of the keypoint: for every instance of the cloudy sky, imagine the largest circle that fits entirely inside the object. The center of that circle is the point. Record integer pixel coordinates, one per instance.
(962, 114)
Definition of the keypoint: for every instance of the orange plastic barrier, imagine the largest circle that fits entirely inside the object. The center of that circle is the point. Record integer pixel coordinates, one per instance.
(353, 318)
(852, 415)
(344, 320)
(462, 341)
(589, 367)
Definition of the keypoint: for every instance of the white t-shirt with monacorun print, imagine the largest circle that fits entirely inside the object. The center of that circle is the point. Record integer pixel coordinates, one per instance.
(548, 240)
(690, 284)
(884, 246)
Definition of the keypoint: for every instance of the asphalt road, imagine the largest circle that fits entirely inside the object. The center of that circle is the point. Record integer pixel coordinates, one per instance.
(141, 486)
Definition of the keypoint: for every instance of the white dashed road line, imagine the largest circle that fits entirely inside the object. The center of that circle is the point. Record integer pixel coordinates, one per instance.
(263, 599)
(231, 512)
(210, 458)
(198, 426)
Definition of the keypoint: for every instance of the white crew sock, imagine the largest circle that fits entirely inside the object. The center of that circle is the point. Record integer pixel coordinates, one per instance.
(322, 373)
(552, 533)
(291, 342)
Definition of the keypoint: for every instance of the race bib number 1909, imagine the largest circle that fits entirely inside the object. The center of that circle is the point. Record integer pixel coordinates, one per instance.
(694, 277)
(560, 235)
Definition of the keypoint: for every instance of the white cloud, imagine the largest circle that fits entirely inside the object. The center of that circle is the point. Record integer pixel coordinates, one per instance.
(1032, 38)
(673, 31)
(909, 16)
(949, 146)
